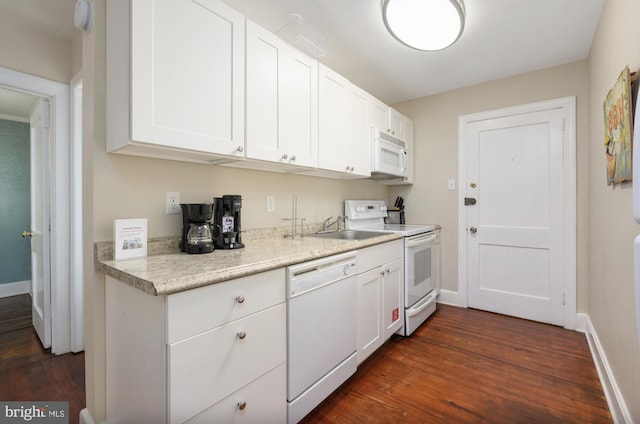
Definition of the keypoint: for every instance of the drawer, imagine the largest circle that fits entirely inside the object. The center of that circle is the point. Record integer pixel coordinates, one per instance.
(195, 311)
(264, 400)
(205, 369)
(374, 256)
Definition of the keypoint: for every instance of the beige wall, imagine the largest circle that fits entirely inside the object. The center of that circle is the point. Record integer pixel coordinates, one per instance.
(130, 187)
(24, 47)
(612, 228)
(436, 153)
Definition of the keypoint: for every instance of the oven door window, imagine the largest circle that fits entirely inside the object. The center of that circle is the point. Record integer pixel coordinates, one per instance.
(419, 280)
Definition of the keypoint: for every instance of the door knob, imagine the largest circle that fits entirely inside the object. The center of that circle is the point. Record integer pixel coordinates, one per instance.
(26, 234)
(473, 230)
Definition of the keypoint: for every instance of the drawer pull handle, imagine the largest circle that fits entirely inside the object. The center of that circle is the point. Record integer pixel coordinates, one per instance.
(242, 334)
(241, 405)
(240, 299)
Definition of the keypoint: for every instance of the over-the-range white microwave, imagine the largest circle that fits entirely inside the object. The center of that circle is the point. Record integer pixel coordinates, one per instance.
(390, 155)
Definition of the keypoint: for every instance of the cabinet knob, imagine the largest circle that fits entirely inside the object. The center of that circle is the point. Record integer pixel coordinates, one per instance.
(240, 149)
(381, 272)
(242, 334)
(285, 156)
(352, 169)
(293, 157)
(388, 271)
(240, 298)
(241, 405)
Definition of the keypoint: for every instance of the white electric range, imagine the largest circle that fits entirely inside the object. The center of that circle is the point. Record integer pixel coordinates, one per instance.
(421, 257)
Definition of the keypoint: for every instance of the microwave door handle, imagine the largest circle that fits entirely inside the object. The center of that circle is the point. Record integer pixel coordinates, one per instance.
(404, 160)
(420, 241)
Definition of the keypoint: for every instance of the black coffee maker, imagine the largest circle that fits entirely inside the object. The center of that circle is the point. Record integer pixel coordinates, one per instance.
(197, 236)
(226, 222)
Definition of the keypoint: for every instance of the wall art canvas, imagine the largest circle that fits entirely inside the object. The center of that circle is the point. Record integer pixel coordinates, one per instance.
(618, 121)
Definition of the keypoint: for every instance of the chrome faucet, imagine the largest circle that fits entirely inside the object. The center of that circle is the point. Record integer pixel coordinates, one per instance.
(327, 223)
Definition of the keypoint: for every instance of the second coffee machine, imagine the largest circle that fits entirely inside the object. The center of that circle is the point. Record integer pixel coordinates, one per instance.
(226, 222)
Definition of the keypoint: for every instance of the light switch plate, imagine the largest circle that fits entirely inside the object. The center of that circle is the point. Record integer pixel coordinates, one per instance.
(172, 202)
(271, 204)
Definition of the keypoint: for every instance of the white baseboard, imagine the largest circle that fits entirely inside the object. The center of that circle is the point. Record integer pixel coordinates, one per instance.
(448, 297)
(617, 406)
(14, 289)
(581, 323)
(85, 417)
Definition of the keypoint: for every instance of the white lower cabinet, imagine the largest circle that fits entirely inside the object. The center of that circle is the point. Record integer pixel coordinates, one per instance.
(185, 356)
(205, 369)
(380, 294)
(258, 402)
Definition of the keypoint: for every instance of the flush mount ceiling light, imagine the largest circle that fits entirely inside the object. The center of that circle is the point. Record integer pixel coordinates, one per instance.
(424, 24)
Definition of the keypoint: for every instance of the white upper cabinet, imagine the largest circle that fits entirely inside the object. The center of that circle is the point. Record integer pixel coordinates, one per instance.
(359, 143)
(396, 124)
(175, 79)
(282, 102)
(344, 135)
(386, 119)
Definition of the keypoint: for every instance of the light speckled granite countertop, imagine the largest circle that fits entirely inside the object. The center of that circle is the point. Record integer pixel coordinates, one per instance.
(174, 271)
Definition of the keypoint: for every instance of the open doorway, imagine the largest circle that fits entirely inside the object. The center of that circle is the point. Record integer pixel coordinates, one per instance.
(58, 229)
(15, 215)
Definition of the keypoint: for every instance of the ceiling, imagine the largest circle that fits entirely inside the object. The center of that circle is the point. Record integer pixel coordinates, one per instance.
(501, 38)
(54, 18)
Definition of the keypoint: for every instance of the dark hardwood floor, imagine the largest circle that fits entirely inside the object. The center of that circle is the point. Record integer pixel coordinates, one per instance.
(28, 372)
(470, 366)
(461, 366)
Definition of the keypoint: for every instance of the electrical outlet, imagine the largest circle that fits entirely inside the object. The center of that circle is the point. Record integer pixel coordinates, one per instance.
(172, 202)
(271, 204)
(451, 184)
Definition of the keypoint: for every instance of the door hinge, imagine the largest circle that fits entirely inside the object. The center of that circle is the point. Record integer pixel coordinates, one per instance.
(564, 299)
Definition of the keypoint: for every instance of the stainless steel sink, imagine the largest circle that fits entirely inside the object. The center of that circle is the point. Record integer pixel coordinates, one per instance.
(347, 235)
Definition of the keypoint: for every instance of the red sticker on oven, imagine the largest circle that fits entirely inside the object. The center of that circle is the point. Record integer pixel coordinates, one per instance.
(395, 315)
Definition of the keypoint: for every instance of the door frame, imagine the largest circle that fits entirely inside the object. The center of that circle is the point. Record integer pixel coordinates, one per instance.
(568, 106)
(59, 152)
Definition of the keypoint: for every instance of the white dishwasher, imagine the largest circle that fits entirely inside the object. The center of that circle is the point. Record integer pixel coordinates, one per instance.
(321, 330)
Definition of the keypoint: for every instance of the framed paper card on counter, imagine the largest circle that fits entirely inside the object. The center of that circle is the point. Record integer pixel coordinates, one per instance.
(129, 238)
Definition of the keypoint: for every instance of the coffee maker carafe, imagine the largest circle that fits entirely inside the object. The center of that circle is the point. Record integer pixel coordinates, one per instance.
(226, 222)
(197, 236)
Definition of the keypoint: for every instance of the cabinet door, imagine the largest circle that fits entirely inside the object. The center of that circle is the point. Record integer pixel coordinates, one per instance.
(282, 100)
(392, 298)
(332, 121)
(187, 75)
(262, 114)
(378, 114)
(358, 146)
(396, 124)
(369, 332)
(299, 107)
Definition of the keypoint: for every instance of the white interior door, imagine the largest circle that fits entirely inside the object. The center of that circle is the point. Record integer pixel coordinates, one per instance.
(40, 260)
(515, 230)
